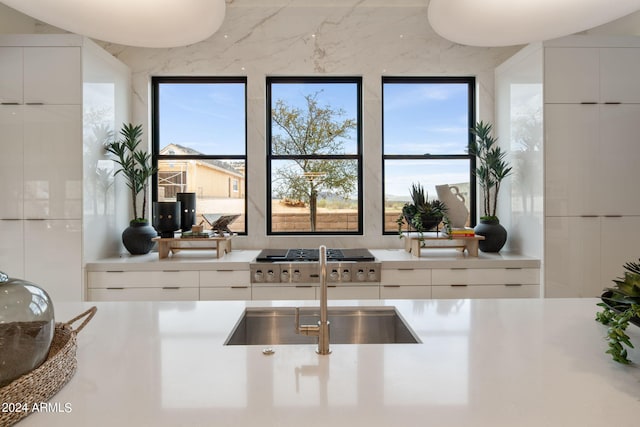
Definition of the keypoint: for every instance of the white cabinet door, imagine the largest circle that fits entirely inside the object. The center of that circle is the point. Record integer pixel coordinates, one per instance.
(143, 294)
(53, 162)
(405, 292)
(351, 292)
(406, 276)
(11, 172)
(620, 237)
(12, 248)
(52, 75)
(571, 159)
(619, 71)
(260, 292)
(618, 160)
(230, 293)
(485, 291)
(572, 257)
(11, 75)
(53, 257)
(571, 75)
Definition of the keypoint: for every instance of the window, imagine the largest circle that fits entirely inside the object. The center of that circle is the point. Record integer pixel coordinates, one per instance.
(199, 143)
(426, 136)
(314, 157)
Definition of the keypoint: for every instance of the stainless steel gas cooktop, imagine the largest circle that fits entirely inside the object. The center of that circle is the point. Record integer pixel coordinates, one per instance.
(293, 255)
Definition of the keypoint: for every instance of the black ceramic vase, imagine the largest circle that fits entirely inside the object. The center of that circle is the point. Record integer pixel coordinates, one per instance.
(137, 237)
(495, 235)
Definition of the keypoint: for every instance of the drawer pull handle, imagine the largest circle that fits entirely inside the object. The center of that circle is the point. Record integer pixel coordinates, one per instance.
(115, 271)
(239, 287)
(115, 289)
(406, 269)
(390, 286)
(303, 286)
(588, 103)
(225, 271)
(459, 286)
(613, 216)
(171, 271)
(613, 103)
(458, 268)
(10, 103)
(513, 284)
(513, 268)
(34, 103)
(170, 288)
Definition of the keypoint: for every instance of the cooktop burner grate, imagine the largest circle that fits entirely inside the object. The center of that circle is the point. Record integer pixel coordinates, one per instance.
(293, 255)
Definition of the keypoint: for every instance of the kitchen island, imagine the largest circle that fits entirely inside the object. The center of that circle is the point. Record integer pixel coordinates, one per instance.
(509, 362)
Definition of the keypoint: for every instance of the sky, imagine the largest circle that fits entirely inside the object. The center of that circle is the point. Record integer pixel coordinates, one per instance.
(418, 119)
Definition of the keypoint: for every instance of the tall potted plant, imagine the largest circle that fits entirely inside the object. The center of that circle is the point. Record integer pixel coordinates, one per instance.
(492, 167)
(135, 166)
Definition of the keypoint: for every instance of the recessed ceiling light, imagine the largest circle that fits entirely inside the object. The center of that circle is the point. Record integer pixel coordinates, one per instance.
(144, 23)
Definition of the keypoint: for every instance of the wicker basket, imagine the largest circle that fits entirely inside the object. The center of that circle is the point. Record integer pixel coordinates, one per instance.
(46, 380)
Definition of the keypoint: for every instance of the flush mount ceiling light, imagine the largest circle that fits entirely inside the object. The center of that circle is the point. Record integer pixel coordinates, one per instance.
(512, 22)
(144, 23)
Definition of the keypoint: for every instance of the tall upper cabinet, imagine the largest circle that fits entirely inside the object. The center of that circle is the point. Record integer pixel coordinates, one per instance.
(52, 100)
(591, 150)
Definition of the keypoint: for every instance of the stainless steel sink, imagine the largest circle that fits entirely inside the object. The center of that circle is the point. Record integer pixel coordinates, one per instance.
(348, 325)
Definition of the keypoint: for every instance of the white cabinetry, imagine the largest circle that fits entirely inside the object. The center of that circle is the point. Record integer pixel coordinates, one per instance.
(592, 211)
(225, 285)
(269, 292)
(41, 140)
(486, 283)
(405, 283)
(167, 285)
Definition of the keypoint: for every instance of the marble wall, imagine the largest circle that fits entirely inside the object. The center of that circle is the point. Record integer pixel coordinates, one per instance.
(368, 38)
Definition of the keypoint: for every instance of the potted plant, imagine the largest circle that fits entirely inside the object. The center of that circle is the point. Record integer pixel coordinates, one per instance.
(135, 166)
(492, 167)
(421, 215)
(621, 306)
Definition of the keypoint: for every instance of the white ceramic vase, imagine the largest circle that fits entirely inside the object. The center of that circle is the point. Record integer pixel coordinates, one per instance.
(457, 211)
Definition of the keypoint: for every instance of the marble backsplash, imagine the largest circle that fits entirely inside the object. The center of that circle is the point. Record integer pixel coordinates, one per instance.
(368, 38)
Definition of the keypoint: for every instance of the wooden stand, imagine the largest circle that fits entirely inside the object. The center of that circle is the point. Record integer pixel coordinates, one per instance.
(222, 245)
(413, 243)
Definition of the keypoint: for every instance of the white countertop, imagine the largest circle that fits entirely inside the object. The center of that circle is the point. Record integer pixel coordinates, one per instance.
(527, 362)
(240, 259)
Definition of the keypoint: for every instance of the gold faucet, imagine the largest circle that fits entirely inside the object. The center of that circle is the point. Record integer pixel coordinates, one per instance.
(321, 330)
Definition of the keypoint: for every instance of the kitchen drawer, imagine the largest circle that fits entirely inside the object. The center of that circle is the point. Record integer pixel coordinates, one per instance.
(224, 278)
(229, 293)
(485, 291)
(485, 276)
(167, 293)
(305, 292)
(142, 279)
(406, 276)
(405, 292)
(351, 292)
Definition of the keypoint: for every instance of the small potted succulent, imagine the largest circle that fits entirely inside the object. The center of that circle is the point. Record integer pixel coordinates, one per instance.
(135, 166)
(421, 214)
(621, 306)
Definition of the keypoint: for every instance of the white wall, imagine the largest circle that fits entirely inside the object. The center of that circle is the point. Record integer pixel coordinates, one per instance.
(369, 41)
(14, 22)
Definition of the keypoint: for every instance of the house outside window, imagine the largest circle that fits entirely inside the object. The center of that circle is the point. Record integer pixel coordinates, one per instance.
(314, 155)
(426, 136)
(199, 144)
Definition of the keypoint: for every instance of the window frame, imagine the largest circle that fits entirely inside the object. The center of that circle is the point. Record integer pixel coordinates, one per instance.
(357, 80)
(156, 81)
(471, 114)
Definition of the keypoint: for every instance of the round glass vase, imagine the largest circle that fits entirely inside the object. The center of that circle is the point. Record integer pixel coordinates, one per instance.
(27, 326)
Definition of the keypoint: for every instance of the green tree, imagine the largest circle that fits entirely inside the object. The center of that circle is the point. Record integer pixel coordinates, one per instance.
(306, 135)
